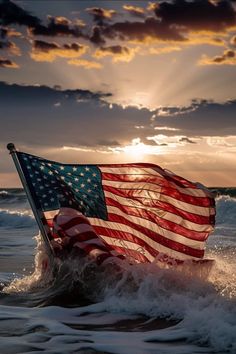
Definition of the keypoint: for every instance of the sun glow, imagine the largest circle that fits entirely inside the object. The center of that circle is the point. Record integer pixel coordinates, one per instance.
(137, 149)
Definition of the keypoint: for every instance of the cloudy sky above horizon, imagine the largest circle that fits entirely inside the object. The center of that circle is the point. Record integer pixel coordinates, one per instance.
(120, 81)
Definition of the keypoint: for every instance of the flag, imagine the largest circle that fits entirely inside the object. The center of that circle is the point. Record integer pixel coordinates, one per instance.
(140, 210)
(75, 236)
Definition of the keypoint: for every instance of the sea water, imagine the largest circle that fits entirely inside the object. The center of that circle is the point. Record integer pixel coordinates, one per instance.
(142, 310)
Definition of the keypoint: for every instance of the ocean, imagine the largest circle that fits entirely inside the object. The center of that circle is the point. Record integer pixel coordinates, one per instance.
(144, 310)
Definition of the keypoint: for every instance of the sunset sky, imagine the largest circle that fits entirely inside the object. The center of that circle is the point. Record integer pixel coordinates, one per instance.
(120, 81)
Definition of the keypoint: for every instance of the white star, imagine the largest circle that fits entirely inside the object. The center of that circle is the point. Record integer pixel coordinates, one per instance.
(88, 180)
(50, 172)
(52, 199)
(89, 191)
(62, 177)
(69, 174)
(76, 179)
(29, 167)
(95, 185)
(74, 169)
(94, 175)
(76, 190)
(41, 167)
(62, 168)
(81, 174)
(87, 169)
(84, 196)
(69, 184)
(49, 164)
(41, 187)
(39, 179)
(82, 185)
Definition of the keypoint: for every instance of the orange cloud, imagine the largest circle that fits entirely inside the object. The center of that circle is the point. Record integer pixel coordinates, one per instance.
(227, 58)
(134, 10)
(164, 50)
(117, 53)
(6, 63)
(45, 51)
(86, 64)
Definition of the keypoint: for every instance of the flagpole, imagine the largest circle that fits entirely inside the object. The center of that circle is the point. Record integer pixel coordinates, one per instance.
(49, 249)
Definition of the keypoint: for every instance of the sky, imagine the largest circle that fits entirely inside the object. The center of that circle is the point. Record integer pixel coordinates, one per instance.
(120, 81)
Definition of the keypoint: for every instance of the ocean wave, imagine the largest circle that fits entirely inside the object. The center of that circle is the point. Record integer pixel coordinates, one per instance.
(198, 310)
(226, 210)
(16, 218)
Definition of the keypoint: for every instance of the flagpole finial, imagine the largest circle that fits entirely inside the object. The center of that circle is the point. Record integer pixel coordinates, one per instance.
(11, 147)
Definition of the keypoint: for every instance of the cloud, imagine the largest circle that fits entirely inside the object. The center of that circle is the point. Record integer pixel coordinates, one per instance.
(57, 26)
(197, 15)
(83, 118)
(233, 41)
(10, 47)
(11, 13)
(227, 58)
(100, 14)
(49, 51)
(134, 10)
(117, 52)
(86, 64)
(7, 63)
(200, 118)
(184, 139)
(149, 31)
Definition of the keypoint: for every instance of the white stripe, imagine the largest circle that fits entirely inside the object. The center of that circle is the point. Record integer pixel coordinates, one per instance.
(151, 172)
(149, 191)
(159, 230)
(162, 214)
(153, 244)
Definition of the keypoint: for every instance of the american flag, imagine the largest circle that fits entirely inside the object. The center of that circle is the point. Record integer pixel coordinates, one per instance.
(140, 210)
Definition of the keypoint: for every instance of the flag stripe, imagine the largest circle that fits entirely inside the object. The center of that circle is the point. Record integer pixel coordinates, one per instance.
(166, 211)
(110, 229)
(133, 190)
(156, 236)
(188, 237)
(156, 184)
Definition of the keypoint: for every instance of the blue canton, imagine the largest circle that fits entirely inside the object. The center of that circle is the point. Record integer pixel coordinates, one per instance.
(53, 185)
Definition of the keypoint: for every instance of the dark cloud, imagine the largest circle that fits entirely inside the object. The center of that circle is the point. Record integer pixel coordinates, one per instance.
(11, 13)
(83, 118)
(3, 33)
(7, 63)
(197, 15)
(150, 28)
(47, 46)
(100, 15)
(57, 26)
(228, 54)
(201, 118)
(96, 36)
(186, 140)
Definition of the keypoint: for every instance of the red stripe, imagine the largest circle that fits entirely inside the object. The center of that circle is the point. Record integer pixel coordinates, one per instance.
(195, 218)
(120, 235)
(166, 189)
(157, 237)
(73, 222)
(83, 237)
(165, 224)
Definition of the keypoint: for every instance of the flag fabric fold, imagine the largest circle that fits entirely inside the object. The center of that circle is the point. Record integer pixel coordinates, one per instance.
(139, 210)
